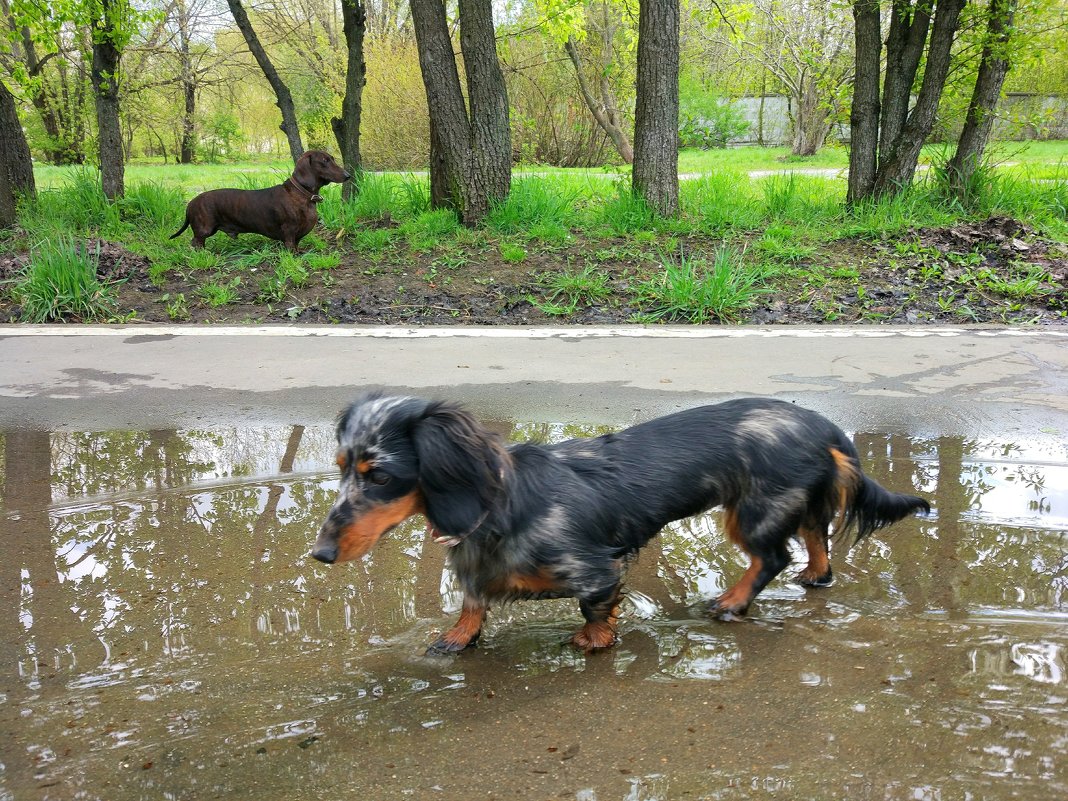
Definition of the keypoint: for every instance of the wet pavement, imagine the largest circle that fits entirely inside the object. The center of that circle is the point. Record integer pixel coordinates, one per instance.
(164, 634)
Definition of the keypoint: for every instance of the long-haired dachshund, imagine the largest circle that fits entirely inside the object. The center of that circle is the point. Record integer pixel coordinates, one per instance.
(556, 521)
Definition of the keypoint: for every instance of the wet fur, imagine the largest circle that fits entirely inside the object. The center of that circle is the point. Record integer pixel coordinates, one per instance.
(561, 520)
(285, 212)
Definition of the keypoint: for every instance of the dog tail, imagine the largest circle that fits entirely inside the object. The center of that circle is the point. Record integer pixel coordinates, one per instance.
(184, 226)
(864, 505)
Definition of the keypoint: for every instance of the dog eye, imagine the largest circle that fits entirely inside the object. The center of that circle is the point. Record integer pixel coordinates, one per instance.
(378, 477)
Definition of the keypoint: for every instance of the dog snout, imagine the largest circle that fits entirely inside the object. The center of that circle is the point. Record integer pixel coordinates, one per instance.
(325, 552)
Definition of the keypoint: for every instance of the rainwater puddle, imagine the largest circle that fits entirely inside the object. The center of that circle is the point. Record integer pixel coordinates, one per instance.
(165, 636)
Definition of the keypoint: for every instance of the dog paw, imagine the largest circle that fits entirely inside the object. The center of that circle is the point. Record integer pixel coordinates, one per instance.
(444, 646)
(725, 610)
(594, 637)
(812, 579)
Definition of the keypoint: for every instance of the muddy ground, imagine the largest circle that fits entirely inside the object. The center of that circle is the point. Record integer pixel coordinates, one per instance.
(997, 270)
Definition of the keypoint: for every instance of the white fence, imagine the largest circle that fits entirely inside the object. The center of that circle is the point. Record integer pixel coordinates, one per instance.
(1020, 116)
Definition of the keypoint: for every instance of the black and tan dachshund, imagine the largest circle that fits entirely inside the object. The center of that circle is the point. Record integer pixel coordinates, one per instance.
(561, 520)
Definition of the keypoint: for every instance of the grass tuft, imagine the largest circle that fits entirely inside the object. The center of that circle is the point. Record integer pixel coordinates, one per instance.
(534, 201)
(566, 290)
(692, 290)
(61, 284)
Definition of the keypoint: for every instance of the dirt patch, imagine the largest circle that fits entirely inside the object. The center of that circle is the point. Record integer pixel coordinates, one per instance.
(993, 271)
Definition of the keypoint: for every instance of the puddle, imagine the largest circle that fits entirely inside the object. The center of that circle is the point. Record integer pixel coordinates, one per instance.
(164, 635)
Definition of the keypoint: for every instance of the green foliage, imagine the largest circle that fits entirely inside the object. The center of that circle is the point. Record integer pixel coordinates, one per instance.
(203, 259)
(153, 205)
(373, 240)
(177, 307)
(566, 290)
(705, 119)
(781, 244)
(222, 138)
(721, 201)
(891, 214)
(79, 206)
(429, 228)
(692, 290)
(321, 262)
(375, 200)
(291, 270)
(415, 195)
(623, 212)
(534, 201)
(395, 129)
(61, 284)
(802, 199)
(216, 293)
(513, 253)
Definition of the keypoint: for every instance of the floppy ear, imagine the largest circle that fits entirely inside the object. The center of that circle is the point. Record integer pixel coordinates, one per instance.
(302, 170)
(461, 469)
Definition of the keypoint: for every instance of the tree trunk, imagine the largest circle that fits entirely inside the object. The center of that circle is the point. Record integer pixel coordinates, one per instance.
(605, 111)
(993, 67)
(16, 166)
(440, 196)
(910, 21)
(283, 98)
(491, 131)
(187, 147)
(864, 115)
(445, 102)
(347, 126)
(470, 155)
(105, 79)
(812, 122)
(656, 111)
(898, 168)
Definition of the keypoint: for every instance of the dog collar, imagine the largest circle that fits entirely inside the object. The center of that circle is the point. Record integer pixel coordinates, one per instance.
(312, 197)
(448, 540)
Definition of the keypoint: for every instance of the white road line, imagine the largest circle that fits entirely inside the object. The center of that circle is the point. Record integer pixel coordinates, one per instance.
(514, 332)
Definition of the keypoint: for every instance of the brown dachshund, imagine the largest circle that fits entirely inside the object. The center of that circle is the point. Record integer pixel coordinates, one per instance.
(285, 212)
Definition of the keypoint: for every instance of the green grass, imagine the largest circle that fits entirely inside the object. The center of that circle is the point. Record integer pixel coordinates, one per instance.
(691, 289)
(769, 227)
(427, 230)
(759, 158)
(565, 291)
(218, 293)
(546, 201)
(154, 206)
(61, 284)
(1008, 155)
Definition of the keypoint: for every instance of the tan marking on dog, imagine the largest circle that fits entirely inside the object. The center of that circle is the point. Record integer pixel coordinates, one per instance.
(818, 561)
(596, 635)
(360, 536)
(466, 628)
(737, 599)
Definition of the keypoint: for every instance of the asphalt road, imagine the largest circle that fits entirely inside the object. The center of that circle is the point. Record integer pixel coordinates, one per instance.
(960, 381)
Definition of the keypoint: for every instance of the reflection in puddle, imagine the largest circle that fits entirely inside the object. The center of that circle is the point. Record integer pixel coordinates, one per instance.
(165, 635)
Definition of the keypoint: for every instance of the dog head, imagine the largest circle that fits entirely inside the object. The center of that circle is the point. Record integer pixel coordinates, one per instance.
(317, 168)
(400, 456)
